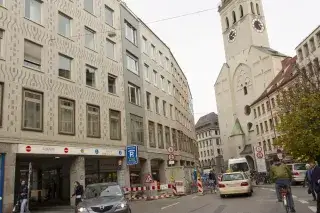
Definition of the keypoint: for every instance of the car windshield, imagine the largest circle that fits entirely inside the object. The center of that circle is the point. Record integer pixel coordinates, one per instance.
(232, 177)
(239, 167)
(300, 166)
(102, 190)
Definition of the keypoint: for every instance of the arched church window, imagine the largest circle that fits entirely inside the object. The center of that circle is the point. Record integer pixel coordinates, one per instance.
(227, 22)
(252, 8)
(234, 17)
(258, 9)
(245, 90)
(241, 11)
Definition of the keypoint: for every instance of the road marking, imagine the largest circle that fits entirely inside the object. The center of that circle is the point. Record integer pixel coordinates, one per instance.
(303, 201)
(194, 197)
(294, 196)
(264, 188)
(313, 208)
(272, 190)
(170, 205)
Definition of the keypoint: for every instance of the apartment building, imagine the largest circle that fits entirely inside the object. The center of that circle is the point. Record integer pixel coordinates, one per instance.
(62, 96)
(209, 141)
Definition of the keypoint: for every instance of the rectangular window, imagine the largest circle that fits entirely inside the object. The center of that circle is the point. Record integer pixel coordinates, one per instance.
(160, 137)
(312, 45)
(131, 33)
(273, 103)
(316, 65)
(33, 10)
(300, 54)
(144, 45)
(271, 124)
(257, 129)
(32, 110)
(255, 113)
(109, 15)
(115, 124)
(266, 125)
(32, 54)
(171, 113)
(132, 63)
(153, 52)
(89, 38)
(167, 64)
(90, 76)
(136, 129)
(261, 127)
(160, 58)
(268, 106)
(66, 116)
(64, 25)
(152, 134)
(155, 78)
(174, 139)
(156, 99)
(93, 121)
(269, 145)
(167, 136)
(306, 50)
(134, 94)
(318, 38)
(263, 109)
(65, 66)
(110, 47)
(148, 96)
(112, 85)
(259, 112)
(88, 6)
(264, 145)
(164, 107)
(162, 83)
(169, 88)
(146, 72)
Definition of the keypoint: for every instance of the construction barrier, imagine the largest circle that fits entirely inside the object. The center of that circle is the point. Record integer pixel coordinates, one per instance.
(200, 187)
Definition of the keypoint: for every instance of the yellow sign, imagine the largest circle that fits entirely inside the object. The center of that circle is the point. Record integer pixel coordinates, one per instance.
(172, 179)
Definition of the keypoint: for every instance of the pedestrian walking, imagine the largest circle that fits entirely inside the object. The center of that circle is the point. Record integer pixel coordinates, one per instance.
(23, 196)
(78, 192)
(315, 180)
(308, 180)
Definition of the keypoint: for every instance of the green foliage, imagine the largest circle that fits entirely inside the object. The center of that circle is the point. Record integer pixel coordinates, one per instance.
(300, 118)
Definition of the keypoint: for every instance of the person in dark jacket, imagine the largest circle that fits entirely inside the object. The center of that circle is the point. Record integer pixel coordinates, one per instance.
(78, 192)
(308, 180)
(315, 180)
(23, 196)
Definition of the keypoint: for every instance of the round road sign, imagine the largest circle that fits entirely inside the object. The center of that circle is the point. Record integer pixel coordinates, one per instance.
(259, 149)
(259, 155)
(171, 157)
(170, 149)
(66, 150)
(28, 148)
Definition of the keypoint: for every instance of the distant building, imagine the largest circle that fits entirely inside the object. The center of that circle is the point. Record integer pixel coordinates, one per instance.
(209, 142)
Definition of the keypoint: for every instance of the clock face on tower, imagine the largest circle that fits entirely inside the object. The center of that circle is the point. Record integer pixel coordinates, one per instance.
(258, 25)
(232, 35)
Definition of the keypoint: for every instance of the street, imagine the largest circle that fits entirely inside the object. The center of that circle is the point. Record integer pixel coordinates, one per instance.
(262, 201)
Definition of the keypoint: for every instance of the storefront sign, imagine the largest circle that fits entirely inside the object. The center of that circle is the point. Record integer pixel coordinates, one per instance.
(60, 150)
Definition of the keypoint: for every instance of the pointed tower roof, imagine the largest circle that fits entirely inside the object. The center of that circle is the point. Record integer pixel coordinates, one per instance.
(237, 129)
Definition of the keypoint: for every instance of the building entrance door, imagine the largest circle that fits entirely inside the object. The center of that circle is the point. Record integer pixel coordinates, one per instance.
(2, 156)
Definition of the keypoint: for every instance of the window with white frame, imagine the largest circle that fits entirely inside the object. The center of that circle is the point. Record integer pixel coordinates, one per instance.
(155, 78)
(146, 72)
(66, 116)
(32, 54)
(153, 51)
(144, 45)
(171, 112)
(115, 124)
(132, 63)
(148, 97)
(164, 108)
(109, 15)
(162, 83)
(131, 33)
(169, 87)
(110, 47)
(167, 64)
(1, 103)
(91, 76)
(89, 38)
(88, 6)
(136, 124)
(160, 58)
(32, 110)
(93, 121)
(64, 25)
(152, 134)
(65, 66)
(33, 10)
(156, 103)
(134, 94)
(1, 43)
(112, 86)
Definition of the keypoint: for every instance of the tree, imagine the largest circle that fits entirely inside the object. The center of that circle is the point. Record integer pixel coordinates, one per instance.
(299, 112)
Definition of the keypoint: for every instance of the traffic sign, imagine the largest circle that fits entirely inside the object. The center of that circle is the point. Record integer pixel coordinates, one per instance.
(260, 155)
(259, 149)
(132, 155)
(171, 162)
(171, 157)
(149, 179)
(66, 150)
(170, 149)
(28, 148)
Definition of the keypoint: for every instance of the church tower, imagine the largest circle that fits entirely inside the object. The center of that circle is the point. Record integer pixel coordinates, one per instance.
(243, 25)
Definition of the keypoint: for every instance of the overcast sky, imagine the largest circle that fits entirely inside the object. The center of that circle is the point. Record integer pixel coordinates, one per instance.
(196, 40)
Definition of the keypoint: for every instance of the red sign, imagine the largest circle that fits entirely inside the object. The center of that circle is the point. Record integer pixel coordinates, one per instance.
(28, 148)
(66, 150)
(259, 155)
(149, 179)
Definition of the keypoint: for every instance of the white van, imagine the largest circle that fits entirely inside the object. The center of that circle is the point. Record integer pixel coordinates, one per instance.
(239, 165)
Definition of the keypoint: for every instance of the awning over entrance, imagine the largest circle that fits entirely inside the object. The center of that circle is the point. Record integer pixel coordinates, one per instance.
(247, 150)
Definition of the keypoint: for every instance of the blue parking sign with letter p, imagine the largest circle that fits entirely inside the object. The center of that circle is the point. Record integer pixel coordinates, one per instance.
(132, 155)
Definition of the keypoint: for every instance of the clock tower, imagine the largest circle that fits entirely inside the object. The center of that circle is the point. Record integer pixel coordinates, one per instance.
(243, 25)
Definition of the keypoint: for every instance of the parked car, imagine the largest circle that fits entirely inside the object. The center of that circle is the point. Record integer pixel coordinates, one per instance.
(234, 183)
(104, 197)
(298, 171)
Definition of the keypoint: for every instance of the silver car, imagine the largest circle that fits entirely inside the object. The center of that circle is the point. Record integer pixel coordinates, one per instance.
(104, 198)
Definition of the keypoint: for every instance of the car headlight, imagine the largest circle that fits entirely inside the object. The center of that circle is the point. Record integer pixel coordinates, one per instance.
(82, 210)
(121, 206)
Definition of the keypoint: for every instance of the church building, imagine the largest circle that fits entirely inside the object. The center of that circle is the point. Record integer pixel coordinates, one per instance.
(249, 68)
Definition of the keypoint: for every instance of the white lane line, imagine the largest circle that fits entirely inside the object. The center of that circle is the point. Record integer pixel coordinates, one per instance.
(313, 208)
(303, 201)
(194, 197)
(170, 205)
(264, 188)
(272, 190)
(294, 196)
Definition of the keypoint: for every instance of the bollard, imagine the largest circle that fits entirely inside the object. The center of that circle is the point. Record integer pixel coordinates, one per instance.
(200, 187)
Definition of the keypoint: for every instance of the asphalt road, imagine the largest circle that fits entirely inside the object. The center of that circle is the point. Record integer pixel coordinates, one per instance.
(262, 201)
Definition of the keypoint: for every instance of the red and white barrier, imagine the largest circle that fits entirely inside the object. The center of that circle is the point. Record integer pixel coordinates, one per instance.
(144, 189)
(148, 188)
(200, 187)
